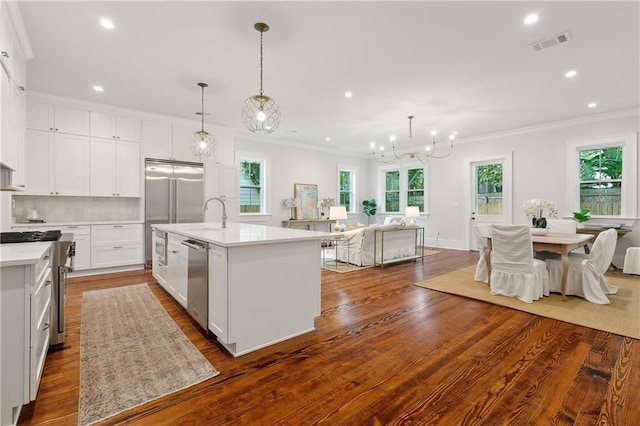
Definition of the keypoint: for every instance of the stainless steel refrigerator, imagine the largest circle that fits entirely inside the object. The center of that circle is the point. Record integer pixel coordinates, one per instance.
(173, 193)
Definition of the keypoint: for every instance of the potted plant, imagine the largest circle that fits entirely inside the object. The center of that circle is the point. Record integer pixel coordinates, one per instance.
(370, 208)
(582, 216)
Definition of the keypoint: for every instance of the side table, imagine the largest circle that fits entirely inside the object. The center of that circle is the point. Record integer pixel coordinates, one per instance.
(334, 240)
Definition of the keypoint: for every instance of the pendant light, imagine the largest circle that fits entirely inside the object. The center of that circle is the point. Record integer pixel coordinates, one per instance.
(260, 113)
(202, 143)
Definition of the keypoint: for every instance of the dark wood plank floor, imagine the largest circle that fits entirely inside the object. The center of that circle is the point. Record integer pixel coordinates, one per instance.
(384, 352)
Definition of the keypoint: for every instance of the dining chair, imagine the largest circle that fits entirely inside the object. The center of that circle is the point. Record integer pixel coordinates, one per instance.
(562, 226)
(585, 277)
(514, 271)
(480, 233)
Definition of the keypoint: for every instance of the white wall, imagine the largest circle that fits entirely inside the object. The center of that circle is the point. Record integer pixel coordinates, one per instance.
(290, 164)
(538, 170)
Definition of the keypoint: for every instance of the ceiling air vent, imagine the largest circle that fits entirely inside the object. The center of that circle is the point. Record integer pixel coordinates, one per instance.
(551, 41)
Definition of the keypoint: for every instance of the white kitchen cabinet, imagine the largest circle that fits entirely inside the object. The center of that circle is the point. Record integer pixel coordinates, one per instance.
(221, 180)
(82, 238)
(57, 118)
(115, 127)
(164, 141)
(58, 164)
(25, 319)
(160, 269)
(115, 168)
(177, 262)
(116, 245)
(9, 125)
(218, 292)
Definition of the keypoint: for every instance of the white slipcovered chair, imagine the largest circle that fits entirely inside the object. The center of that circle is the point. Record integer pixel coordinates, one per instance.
(562, 226)
(585, 277)
(480, 234)
(514, 271)
(632, 261)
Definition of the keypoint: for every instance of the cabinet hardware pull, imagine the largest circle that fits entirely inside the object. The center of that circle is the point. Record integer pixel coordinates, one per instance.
(56, 129)
(46, 257)
(71, 227)
(5, 54)
(47, 282)
(117, 247)
(22, 186)
(118, 226)
(46, 327)
(174, 251)
(21, 88)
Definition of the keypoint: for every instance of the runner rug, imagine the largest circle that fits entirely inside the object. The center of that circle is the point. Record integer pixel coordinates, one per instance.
(621, 317)
(131, 352)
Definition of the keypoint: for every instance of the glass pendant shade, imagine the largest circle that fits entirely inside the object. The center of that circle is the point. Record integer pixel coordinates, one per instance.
(260, 113)
(202, 143)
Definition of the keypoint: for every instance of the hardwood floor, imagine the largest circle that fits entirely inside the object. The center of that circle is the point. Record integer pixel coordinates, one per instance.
(384, 352)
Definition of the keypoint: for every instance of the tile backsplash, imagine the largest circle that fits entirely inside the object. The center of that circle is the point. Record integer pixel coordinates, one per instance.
(77, 209)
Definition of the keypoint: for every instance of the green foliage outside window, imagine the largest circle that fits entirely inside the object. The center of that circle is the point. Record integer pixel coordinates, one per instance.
(601, 180)
(415, 193)
(250, 187)
(345, 189)
(392, 191)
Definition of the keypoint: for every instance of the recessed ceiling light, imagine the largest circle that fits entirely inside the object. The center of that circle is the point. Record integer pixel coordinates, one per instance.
(98, 88)
(530, 19)
(570, 73)
(592, 105)
(328, 139)
(348, 94)
(107, 23)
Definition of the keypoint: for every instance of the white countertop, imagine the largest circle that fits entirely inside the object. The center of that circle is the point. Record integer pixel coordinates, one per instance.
(239, 234)
(82, 223)
(14, 254)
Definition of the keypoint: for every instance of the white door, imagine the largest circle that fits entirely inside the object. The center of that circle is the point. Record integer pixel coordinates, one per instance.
(489, 193)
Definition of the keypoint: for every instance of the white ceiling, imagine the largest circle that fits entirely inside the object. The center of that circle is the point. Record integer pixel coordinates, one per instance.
(464, 66)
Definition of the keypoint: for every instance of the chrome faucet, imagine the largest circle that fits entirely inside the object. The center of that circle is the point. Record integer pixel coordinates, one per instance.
(224, 209)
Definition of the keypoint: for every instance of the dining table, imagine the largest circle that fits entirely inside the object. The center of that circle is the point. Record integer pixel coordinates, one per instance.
(561, 244)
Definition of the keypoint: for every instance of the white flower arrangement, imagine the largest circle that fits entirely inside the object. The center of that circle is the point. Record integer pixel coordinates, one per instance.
(538, 211)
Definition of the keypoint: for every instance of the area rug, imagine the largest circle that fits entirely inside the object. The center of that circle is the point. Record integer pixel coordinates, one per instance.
(621, 317)
(131, 352)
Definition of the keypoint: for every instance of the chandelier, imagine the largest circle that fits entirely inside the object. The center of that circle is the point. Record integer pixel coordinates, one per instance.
(202, 143)
(260, 113)
(423, 156)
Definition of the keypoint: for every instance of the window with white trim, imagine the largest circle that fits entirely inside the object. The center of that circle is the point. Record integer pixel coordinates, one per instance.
(347, 189)
(252, 193)
(602, 176)
(404, 186)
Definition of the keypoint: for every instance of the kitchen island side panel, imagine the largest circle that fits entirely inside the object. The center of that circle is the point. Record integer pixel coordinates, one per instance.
(273, 292)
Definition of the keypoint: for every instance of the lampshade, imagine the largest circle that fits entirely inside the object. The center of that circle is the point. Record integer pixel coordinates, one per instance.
(260, 113)
(202, 143)
(338, 212)
(412, 211)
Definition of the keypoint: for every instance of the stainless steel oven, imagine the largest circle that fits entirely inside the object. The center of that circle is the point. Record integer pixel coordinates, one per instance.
(160, 246)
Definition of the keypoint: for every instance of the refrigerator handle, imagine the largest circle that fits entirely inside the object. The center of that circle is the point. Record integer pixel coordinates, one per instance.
(172, 200)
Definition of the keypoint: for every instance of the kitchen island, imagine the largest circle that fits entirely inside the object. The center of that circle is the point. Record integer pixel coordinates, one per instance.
(263, 281)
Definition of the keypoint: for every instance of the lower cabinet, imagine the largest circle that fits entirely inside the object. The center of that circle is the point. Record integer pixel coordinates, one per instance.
(116, 245)
(177, 260)
(25, 321)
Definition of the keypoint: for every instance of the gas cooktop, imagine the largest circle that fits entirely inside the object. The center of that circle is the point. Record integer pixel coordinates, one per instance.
(29, 236)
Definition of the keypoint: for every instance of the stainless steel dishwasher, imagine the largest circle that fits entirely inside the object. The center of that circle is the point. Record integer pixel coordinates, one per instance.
(198, 282)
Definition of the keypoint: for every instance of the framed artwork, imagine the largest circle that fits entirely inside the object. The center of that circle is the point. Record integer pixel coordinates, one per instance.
(307, 195)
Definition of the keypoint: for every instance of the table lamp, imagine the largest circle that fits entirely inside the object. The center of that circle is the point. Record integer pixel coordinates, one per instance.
(337, 213)
(412, 212)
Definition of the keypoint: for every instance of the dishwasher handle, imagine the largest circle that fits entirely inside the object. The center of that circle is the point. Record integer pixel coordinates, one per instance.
(196, 245)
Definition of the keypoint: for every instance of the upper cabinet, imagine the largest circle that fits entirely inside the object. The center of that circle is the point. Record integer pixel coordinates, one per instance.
(115, 168)
(164, 141)
(57, 118)
(115, 127)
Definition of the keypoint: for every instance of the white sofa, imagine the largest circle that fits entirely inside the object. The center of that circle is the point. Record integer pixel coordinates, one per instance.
(397, 244)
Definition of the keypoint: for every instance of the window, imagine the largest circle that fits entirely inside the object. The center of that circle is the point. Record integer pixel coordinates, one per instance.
(392, 191)
(404, 186)
(415, 188)
(347, 188)
(252, 194)
(602, 176)
(601, 180)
